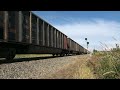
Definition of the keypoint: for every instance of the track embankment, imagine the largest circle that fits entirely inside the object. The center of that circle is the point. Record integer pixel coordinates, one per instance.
(70, 67)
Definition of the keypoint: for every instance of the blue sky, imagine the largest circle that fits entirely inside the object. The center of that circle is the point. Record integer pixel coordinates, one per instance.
(102, 28)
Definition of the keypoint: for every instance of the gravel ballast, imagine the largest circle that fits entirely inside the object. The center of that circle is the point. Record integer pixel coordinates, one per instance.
(35, 69)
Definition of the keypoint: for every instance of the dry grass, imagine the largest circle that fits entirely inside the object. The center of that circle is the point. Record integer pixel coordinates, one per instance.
(107, 65)
(84, 72)
(31, 55)
(77, 70)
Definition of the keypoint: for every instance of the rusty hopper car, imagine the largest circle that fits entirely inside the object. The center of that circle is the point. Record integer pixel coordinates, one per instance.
(74, 47)
(23, 32)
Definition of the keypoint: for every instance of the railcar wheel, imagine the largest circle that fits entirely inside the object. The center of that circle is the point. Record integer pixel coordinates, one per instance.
(11, 54)
(61, 55)
(53, 55)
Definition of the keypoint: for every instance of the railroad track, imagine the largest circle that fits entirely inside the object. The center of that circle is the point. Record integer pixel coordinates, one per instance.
(27, 58)
(35, 68)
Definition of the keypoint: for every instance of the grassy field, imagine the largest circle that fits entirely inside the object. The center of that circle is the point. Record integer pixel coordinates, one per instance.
(106, 64)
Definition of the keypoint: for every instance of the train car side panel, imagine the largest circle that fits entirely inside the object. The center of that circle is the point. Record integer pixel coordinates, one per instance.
(57, 39)
(41, 32)
(50, 36)
(26, 37)
(12, 26)
(54, 38)
(34, 29)
(65, 42)
(2, 24)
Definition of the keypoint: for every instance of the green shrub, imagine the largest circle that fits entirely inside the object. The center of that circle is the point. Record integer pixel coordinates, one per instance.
(109, 65)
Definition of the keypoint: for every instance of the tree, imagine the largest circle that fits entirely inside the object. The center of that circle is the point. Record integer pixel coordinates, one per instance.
(94, 50)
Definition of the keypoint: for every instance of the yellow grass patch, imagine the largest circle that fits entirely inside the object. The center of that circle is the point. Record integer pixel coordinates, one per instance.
(76, 70)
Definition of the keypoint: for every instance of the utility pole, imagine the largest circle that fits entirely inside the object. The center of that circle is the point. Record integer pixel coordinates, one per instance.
(87, 47)
(86, 43)
(117, 46)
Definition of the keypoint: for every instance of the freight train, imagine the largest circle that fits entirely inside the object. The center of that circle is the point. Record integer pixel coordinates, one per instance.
(23, 32)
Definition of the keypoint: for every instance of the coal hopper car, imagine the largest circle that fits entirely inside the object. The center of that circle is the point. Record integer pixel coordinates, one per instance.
(23, 32)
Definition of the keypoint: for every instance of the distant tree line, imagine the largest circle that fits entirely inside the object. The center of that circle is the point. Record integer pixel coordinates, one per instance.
(94, 51)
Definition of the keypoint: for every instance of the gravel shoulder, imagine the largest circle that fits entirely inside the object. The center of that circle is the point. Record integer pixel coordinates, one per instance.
(79, 69)
(38, 69)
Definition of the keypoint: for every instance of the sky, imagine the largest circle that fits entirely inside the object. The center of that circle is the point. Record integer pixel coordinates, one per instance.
(101, 28)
